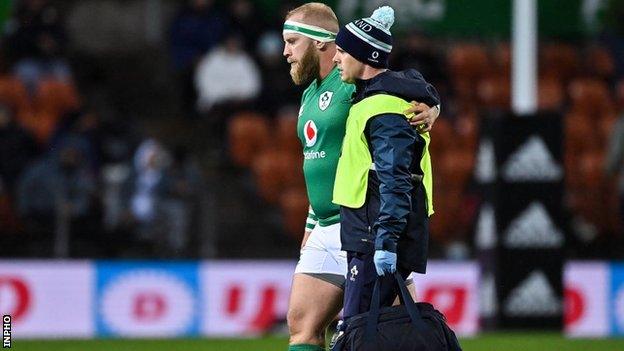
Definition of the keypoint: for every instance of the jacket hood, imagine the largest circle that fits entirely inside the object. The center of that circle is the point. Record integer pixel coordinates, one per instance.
(408, 85)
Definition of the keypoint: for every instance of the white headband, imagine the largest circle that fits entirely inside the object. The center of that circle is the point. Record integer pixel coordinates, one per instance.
(310, 31)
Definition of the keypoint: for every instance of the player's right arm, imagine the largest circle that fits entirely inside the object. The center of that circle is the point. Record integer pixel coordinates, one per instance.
(311, 222)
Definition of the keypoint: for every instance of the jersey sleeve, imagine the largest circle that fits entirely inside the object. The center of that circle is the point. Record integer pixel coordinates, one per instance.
(312, 220)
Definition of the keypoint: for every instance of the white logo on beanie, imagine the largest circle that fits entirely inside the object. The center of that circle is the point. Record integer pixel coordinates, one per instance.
(375, 54)
(363, 25)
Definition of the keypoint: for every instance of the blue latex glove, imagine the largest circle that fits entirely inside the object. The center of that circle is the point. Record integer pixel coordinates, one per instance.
(385, 262)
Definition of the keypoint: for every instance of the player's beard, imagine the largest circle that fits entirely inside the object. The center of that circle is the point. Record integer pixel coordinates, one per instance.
(307, 68)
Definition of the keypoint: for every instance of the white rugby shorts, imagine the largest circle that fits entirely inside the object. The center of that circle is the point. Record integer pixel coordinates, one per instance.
(321, 253)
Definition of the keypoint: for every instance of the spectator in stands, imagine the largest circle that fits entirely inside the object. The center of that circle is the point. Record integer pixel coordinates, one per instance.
(197, 29)
(37, 39)
(182, 183)
(226, 75)
(161, 197)
(145, 190)
(17, 149)
(58, 190)
(247, 21)
(85, 125)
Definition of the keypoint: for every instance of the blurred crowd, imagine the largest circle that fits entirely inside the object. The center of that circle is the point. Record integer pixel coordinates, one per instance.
(72, 183)
(77, 180)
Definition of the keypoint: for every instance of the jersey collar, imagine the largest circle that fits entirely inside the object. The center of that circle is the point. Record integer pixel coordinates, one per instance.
(328, 78)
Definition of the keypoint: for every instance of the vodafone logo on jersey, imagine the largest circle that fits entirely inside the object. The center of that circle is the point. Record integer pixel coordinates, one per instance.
(147, 301)
(15, 297)
(310, 133)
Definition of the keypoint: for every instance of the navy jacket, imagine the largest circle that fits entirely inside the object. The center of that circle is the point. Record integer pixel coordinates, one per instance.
(394, 216)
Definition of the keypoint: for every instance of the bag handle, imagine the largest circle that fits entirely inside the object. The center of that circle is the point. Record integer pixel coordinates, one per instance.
(408, 302)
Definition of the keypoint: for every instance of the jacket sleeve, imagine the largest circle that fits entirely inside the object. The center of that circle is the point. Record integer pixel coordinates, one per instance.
(418, 89)
(427, 93)
(392, 145)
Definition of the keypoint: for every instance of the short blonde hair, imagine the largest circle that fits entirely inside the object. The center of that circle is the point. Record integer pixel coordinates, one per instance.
(316, 14)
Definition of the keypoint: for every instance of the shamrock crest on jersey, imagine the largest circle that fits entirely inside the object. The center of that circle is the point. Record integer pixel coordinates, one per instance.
(310, 132)
(325, 100)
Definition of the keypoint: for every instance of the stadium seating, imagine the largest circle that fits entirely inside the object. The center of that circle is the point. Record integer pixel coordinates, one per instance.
(286, 127)
(559, 60)
(13, 93)
(39, 113)
(501, 57)
(550, 95)
(468, 61)
(248, 133)
(442, 136)
(599, 62)
(494, 92)
(293, 203)
(56, 97)
(41, 123)
(590, 96)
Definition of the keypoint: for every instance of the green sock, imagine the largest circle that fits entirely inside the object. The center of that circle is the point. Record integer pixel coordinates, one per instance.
(305, 347)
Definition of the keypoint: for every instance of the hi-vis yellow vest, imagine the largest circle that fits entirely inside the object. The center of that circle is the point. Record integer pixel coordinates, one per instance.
(355, 162)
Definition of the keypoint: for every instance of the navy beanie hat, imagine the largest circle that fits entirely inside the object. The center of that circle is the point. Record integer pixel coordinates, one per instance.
(369, 39)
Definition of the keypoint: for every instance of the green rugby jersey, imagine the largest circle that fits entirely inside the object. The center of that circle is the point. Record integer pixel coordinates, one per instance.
(321, 128)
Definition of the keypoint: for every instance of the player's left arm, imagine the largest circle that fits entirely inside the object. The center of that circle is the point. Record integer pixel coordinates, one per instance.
(425, 105)
(422, 116)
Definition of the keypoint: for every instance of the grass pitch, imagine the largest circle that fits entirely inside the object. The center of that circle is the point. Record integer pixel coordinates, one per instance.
(485, 342)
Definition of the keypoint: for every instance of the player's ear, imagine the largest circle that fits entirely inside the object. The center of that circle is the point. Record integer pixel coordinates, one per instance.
(320, 45)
